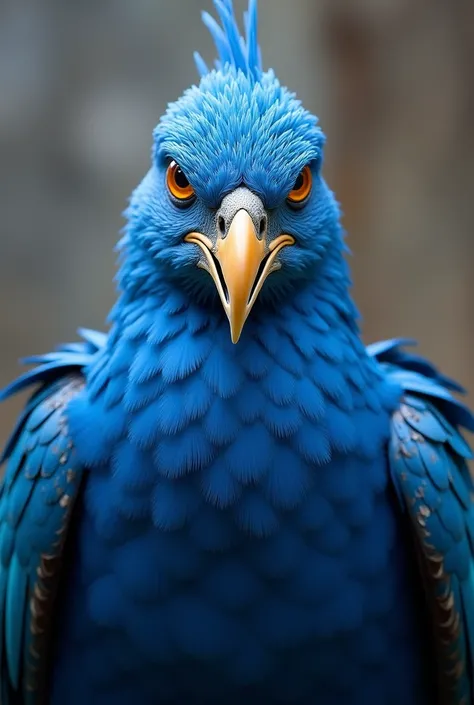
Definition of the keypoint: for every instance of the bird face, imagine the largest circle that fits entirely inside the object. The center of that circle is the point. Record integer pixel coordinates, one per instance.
(240, 254)
(234, 206)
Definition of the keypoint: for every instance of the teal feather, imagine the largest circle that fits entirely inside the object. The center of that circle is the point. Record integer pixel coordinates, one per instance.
(37, 477)
(15, 598)
(429, 474)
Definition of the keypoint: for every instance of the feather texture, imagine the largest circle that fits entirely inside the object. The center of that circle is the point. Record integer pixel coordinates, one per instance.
(428, 465)
(39, 488)
(237, 535)
(233, 49)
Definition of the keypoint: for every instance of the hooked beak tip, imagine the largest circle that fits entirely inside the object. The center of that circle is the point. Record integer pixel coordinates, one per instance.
(244, 261)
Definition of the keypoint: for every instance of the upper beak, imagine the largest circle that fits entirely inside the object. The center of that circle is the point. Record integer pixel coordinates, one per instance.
(245, 261)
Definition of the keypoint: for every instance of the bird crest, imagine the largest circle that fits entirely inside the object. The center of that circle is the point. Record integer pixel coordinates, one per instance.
(233, 49)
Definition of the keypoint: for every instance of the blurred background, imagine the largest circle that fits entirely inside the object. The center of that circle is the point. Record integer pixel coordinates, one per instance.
(83, 84)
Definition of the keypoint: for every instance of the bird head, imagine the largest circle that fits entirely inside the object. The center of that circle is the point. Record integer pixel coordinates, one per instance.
(234, 207)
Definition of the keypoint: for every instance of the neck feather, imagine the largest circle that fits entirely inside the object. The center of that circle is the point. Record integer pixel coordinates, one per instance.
(299, 371)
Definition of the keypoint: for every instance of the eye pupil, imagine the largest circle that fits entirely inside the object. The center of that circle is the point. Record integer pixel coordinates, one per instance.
(299, 183)
(180, 178)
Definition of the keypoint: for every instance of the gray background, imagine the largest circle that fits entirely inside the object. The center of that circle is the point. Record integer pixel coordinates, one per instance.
(82, 85)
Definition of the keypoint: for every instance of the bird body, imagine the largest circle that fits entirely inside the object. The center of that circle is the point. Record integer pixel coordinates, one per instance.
(211, 558)
(279, 515)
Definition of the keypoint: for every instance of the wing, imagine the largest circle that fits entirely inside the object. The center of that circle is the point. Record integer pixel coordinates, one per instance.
(41, 482)
(429, 471)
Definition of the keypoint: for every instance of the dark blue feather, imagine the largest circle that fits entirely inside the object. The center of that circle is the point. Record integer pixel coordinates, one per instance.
(14, 603)
(430, 382)
(40, 484)
(428, 467)
(390, 352)
(49, 364)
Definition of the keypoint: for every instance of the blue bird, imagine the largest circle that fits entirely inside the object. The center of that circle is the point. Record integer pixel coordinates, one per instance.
(228, 498)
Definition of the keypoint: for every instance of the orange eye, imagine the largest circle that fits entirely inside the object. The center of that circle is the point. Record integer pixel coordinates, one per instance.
(178, 183)
(302, 187)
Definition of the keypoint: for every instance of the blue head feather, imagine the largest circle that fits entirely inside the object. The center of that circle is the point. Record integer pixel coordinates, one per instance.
(238, 126)
(233, 49)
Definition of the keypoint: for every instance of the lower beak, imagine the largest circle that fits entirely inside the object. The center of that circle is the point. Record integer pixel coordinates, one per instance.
(245, 261)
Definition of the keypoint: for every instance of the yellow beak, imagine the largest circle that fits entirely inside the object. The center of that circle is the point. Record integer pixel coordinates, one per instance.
(240, 255)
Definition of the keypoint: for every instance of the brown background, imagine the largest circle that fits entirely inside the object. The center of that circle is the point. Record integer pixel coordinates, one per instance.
(83, 84)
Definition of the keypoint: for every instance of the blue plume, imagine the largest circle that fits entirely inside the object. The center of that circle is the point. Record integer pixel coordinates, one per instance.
(232, 48)
(254, 57)
(67, 358)
(415, 374)
(200, 64)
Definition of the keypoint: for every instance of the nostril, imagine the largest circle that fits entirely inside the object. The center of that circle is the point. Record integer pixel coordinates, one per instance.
(221, 225)
(263, 226)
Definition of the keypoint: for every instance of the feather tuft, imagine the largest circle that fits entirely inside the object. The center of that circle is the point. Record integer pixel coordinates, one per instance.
(233, 50)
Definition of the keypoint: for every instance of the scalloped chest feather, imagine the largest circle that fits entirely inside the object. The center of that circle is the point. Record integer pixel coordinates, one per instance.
(237, 536)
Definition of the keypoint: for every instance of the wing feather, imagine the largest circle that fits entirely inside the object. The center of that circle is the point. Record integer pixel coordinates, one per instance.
(428, 462)
(42, 480)
(41, 483)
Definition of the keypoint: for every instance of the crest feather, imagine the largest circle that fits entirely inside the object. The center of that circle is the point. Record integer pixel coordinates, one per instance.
(243, 53)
